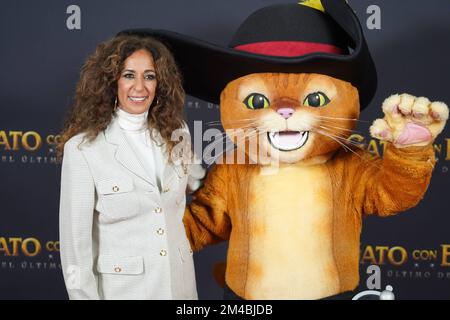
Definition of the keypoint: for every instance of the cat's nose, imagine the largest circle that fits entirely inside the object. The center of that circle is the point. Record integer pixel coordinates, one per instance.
(286, 112)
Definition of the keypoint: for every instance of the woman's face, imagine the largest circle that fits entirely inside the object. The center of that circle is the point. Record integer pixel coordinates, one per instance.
(137, 82)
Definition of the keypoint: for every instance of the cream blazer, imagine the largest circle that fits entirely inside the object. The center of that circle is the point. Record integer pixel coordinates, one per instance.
(120, 237)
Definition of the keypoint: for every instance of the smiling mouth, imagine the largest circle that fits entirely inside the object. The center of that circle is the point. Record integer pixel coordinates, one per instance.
(288, 140)
(137, 99)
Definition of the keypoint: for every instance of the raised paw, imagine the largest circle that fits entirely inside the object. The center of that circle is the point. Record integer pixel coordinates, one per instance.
(410, 121)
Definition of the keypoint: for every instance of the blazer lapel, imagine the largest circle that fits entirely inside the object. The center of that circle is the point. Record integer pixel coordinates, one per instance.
(168, 175)
(171, 170)
(124, 153)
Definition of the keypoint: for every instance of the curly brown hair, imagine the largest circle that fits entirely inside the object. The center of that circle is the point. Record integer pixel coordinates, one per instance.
(96, 90)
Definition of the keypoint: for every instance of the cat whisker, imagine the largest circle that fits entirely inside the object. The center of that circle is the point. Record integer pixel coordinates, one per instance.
(340, 119)
(333, 124)
(233, 144)
(216, 142)
(347, 148)
(338, 128)
(344, 139)
(234, 121)
(343, 136)
(241, 119)
(240, 126)
(343, 144)
(249, 128)
(217, 136)
(220, 138)
(224, 133)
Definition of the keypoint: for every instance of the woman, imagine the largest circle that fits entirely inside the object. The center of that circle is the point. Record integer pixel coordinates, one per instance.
(122, 195)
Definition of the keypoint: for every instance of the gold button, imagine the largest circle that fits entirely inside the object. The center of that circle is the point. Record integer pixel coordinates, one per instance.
(117, 269)
(115, 188)
(158, 210)
(163, 252)
(160, 231)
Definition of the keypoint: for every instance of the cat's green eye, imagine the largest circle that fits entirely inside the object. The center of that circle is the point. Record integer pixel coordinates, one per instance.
(316, 99)
(256, 101)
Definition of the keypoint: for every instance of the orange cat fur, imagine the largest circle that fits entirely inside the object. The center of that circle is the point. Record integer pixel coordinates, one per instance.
(295, 233)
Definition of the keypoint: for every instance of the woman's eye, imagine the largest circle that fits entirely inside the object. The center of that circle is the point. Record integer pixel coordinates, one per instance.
(150, 77)
(256, 101)
(316, 99)
(128, 75)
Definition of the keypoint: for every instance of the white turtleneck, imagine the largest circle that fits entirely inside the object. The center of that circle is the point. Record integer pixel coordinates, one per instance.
(135, 129)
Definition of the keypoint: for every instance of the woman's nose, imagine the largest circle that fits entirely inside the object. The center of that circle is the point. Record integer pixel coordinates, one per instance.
(139, 84)
(286, 112)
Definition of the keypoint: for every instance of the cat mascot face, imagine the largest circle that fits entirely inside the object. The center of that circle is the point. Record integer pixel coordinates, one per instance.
(291, 86)
(288, 117)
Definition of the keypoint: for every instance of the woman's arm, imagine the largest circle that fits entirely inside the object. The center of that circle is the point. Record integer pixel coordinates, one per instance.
(76, 218)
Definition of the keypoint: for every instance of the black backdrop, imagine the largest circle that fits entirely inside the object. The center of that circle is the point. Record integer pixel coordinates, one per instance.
(40, 58)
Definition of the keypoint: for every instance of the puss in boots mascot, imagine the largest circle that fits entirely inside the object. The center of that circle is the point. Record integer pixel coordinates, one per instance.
(299, 75)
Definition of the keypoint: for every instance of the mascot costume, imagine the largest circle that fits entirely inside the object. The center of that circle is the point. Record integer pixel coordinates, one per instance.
(298, 75)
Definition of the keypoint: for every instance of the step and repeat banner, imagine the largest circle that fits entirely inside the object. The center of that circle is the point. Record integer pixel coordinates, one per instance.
(44, 43)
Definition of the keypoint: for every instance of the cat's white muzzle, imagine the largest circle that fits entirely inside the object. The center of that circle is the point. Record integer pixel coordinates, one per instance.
(288, 140)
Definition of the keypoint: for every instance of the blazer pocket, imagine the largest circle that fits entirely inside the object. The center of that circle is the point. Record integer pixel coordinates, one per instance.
(120, 265)
(187, 266)
(118, 197)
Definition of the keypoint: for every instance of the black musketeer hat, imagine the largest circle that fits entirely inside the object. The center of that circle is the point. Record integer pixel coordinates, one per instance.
(312, 36)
